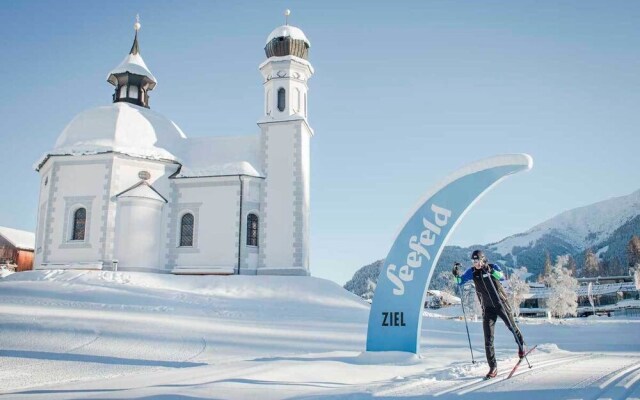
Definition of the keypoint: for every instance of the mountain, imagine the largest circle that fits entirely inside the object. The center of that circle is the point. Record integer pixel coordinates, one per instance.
(604, 228)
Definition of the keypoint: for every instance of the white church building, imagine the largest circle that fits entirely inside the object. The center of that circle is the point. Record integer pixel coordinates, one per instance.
(124, 188)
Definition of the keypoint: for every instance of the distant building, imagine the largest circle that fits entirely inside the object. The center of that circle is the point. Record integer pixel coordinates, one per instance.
(124, 186)
(610, 294)
(16, 247)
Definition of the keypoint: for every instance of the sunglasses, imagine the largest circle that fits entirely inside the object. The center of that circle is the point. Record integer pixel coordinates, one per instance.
(476, 261)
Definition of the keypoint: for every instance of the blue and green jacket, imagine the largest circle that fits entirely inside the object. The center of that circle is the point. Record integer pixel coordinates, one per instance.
(487, 282)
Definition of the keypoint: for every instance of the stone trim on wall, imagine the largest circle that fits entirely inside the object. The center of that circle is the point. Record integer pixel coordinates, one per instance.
(107, 221)
(251, 208)
(71, 204)
(262, 232)
(298, 201)
(171, 256)
(182, 209)
(49, 220)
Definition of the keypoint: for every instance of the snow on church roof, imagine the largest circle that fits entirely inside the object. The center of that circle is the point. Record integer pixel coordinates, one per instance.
(134, 64)
(119, 127)
(220, 155)
(20, 239)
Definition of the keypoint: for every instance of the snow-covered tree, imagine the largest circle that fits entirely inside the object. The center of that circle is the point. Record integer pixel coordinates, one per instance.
(563, 299)
(518, 289)
(470, 301)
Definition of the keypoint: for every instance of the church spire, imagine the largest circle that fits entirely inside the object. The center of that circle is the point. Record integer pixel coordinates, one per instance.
(132, 78)
(134, 48)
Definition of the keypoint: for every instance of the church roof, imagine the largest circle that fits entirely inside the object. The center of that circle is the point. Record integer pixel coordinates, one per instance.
(119, 127)
(20, 239)
(133, 64)
(220, 155)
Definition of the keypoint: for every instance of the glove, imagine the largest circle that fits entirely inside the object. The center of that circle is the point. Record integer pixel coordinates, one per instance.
(456, 269)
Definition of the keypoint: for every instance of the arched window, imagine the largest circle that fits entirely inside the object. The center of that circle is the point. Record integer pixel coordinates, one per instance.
(281, 99)
(186, 230)
(79, 224)
(252, 230)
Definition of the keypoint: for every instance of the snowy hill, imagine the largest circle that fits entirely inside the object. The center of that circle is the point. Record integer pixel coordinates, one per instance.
(97, 335)
(579, 228)
(605, 227)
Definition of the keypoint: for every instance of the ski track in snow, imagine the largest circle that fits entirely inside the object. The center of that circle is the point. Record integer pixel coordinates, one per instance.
(81, 335)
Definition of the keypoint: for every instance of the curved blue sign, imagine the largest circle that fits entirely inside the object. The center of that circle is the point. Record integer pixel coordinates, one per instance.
(395, 319)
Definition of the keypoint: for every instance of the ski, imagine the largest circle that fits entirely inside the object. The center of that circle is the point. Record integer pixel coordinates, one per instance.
(519, 361)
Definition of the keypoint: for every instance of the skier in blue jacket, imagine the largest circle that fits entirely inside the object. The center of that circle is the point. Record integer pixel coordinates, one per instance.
(486, 278)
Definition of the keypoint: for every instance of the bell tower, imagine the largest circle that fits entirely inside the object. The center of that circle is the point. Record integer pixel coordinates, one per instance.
(285, 140)
(132, 78)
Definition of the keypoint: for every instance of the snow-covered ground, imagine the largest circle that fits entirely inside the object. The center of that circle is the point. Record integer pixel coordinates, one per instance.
(75, 334)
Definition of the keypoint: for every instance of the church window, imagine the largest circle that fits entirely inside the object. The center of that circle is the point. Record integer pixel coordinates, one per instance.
(79, 224)
(281, 99)
(252, 230)
(186, 230)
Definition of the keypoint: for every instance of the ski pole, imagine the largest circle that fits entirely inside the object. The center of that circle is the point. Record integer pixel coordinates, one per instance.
(473, 361)
(509, 317)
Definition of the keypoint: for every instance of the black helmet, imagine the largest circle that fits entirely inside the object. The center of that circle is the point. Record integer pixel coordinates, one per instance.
(478, 255)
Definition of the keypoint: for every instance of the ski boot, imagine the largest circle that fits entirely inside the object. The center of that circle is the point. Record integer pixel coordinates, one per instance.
(492, 373)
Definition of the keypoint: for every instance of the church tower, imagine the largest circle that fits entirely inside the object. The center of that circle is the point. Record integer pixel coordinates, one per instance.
(132, 78)
(285, 140)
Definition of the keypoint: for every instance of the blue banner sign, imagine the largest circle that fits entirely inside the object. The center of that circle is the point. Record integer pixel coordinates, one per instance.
(395, 320)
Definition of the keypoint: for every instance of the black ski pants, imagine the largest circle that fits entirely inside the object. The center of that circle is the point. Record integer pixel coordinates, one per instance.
(489, 318)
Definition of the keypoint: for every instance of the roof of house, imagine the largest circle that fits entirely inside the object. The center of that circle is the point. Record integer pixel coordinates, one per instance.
(20, 239)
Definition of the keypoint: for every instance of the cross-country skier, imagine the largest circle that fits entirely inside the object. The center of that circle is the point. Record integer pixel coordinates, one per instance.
(486, 278)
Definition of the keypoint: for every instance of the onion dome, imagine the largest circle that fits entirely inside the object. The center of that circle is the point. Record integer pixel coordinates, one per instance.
(287, 40)
(131, 77)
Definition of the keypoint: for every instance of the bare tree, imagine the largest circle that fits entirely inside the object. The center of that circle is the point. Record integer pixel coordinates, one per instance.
(591, 264)
(633, 251)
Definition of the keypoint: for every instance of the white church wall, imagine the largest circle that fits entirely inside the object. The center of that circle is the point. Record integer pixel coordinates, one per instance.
(75, 183)
(138, 234)
(214, 202)
(303, 198)
(125, 175)
(277, 228)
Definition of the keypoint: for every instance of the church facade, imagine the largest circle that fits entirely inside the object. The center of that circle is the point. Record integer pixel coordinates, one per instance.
(124, 188)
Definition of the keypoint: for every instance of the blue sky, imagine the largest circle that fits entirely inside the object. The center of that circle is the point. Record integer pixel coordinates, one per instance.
(404, 94)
